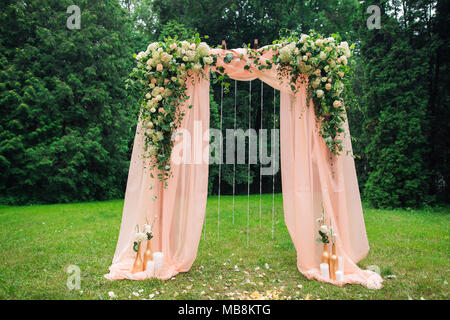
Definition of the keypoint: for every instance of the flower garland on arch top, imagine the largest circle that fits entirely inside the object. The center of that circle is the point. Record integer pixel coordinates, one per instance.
(164, 68)
(324, 62)
(160, 77)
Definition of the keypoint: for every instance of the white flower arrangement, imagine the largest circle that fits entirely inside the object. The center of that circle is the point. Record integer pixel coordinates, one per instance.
(161, 75)
(148, 229)
(324, 61)
(139, 237)
(325, 231)
(146, 234)
(164, 68)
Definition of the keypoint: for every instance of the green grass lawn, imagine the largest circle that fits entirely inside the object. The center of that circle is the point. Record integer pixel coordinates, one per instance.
(38, 243)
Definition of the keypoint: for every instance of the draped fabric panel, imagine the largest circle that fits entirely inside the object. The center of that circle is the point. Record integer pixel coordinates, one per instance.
(311, 176)
(180, 207)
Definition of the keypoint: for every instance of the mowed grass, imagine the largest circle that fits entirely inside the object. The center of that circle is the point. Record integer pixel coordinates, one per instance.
(38, 243)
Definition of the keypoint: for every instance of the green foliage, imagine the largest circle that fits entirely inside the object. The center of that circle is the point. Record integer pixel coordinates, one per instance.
(396, 103)
(66, 120)
(173, 29)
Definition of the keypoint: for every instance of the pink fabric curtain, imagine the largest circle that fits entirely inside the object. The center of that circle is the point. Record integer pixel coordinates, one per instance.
(179, 208)
(310, 177)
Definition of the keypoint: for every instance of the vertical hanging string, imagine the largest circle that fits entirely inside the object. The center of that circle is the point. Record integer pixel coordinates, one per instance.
(260, 153)
(234, 156)
(220, 161)
(273, 165)
(248, 170)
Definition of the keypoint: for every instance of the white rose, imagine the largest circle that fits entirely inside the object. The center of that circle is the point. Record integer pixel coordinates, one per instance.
(345, 48)
(337, 104)
(141, 55)
(152, 46)
(322, 55)
(316, 83)
(184, 45)
(324, 229)
(320, 93)
(153, 110)
(303, 38)
(141, 236)
(191, 55)
(208, 60)
(148, 229)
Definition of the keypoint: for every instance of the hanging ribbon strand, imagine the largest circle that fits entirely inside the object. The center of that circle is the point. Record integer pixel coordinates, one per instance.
(234, 158)
(249, 146)
(260, 153)
(273, 165)
(220, 162)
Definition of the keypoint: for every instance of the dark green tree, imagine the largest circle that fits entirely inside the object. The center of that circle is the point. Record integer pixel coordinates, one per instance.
(395, 104)
(66, 120)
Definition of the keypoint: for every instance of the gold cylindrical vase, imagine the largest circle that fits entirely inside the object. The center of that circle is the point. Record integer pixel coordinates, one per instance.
(325, 255)
(148, 254)
(333, 262)
(138, 265)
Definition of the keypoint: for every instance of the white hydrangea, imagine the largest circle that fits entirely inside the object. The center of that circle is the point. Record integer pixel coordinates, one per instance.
(286, 52)
(203, 49)
(196, 67)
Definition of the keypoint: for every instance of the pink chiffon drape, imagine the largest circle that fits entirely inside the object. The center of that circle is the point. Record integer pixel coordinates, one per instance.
(179, 208)
(310, 177)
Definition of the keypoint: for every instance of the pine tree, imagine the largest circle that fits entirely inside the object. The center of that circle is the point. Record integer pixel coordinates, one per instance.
(66, 120)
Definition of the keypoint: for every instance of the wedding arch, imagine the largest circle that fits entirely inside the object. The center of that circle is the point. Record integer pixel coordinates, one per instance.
(317, 166)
